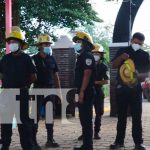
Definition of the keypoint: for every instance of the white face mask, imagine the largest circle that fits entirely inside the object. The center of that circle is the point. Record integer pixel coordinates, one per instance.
(13, 47)
(136, 46)
(96, 57)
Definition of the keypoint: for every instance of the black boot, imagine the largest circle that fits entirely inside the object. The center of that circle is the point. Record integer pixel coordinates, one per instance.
(96, 136)
(36, 146)
(140, 147)
(116, 146)
(0, 141)
(80, 138)
(51, 144)
(50, 141)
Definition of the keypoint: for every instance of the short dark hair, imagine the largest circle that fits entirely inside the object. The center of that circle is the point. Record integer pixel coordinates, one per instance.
(139, 36)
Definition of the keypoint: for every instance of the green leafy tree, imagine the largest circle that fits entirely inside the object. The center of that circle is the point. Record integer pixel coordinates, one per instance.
(36, 16)
(101, 34)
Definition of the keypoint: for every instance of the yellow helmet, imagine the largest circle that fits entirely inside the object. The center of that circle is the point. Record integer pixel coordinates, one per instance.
(16, 33)
(82, 36)
(127, 72)
(44, 38)
(98, 48)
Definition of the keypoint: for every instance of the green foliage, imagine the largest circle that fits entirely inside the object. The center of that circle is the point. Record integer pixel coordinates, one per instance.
(2, 52)
(31, 50)
(106, 90)
(102, 35)
(36, 16)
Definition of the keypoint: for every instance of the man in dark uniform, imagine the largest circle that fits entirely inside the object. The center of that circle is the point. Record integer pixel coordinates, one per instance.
(101, 79)
(84, 82)
(18, 72)
(131, 94)
(47, 75)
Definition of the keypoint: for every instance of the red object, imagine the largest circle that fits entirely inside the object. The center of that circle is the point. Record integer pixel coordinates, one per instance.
(146, 85)
(8, 22)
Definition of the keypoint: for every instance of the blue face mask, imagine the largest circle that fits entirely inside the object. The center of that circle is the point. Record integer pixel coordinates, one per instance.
(47, 50)
(77, 47)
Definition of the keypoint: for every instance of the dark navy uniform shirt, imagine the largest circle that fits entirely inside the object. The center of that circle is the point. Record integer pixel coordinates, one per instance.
(46, 67)
(140, 58)
(16, 70)
(101, 72)
(84, 61)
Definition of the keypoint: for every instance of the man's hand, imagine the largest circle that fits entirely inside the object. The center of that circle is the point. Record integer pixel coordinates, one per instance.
(81, 97)
(117, 62)
(124, 56)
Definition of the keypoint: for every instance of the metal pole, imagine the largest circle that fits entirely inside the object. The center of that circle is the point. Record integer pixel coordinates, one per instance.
(8, 20)
(130, 21)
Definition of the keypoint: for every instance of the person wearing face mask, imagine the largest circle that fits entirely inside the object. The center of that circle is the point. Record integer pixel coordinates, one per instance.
(101, 79)
(47, 77)
(18, 73)
(84, 83)
(130, 93)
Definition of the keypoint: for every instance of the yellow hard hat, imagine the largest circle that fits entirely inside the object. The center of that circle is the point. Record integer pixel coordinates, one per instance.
(82, 36)
(127, 73)
(16, 33)
(98, 48)
(44, 38)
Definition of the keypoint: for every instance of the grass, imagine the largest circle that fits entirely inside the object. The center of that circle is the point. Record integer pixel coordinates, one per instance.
(106, 90)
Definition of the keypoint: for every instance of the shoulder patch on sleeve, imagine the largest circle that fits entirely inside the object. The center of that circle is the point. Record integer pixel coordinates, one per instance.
(88, 61)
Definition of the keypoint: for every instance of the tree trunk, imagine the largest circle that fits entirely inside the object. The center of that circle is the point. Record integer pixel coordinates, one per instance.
(15, 13)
